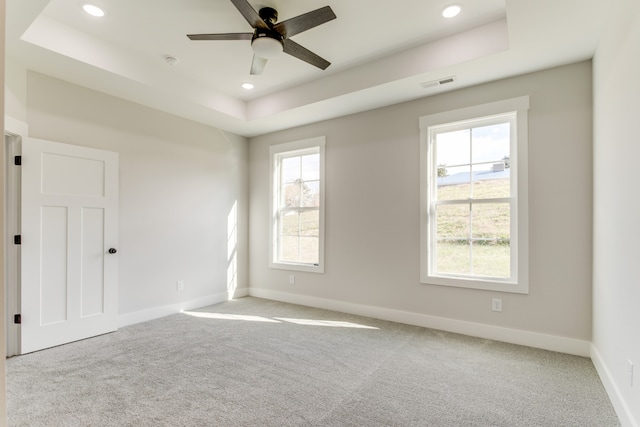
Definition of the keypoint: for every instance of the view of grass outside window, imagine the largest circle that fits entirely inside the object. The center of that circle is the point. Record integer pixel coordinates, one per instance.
(474, 224)
(298, 214)
(471, 200)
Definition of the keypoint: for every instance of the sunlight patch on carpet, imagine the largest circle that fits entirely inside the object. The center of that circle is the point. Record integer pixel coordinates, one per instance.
(221, 316)
(251, 318)
(331, 323)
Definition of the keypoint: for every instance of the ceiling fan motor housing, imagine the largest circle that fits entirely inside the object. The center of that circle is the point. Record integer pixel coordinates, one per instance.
(268, 15)
(263, 32)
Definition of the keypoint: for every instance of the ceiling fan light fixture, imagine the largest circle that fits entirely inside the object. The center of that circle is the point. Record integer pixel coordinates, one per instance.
(451, 11)
(266, 47)
(93, 10)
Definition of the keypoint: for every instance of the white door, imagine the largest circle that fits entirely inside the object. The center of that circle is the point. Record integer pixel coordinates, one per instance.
(68, 240)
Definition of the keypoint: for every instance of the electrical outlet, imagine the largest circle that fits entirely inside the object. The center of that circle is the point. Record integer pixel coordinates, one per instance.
(180, 285)
(292, 279)
(630, 373)
(496, 304)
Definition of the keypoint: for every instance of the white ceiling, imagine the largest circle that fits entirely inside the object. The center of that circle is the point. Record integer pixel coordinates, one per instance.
(380, 52)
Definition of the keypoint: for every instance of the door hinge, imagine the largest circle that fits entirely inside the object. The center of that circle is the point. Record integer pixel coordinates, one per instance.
(17, 319)
(17, 160)
(17, 239)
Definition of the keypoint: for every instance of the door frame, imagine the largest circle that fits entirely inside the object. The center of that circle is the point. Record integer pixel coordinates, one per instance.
(14, 132)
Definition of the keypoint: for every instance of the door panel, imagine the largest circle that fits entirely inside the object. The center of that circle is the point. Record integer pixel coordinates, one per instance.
(69, 221)
(92, 267)
(54, 257)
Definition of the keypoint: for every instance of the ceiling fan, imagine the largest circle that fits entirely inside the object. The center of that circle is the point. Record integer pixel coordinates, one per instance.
(270, 39)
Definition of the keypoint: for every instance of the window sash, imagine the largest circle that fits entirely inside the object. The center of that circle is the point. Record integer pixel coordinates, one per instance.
(434, 239)
(306, 251)
(468, 236)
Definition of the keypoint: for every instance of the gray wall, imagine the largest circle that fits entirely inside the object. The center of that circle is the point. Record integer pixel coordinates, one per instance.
(372, 212)
(616, 276)
(179, 181)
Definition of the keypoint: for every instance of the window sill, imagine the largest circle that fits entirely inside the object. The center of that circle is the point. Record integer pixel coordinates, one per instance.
(486, 285)
(298, 267)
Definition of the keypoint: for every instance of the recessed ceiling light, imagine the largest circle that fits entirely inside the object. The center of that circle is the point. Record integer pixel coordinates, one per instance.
(451, 11)
(93, 10)
(247, 86)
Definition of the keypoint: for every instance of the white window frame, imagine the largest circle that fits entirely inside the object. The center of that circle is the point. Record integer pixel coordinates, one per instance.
(277, 152)
(519, 281)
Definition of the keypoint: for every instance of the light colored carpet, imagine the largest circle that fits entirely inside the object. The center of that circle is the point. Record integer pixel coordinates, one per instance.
(254, 362)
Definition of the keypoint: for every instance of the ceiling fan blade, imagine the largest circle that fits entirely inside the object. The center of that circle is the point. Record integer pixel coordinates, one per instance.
(250, 14)
(257, 65)
(294, 49)
(223, 36)
(303, 22)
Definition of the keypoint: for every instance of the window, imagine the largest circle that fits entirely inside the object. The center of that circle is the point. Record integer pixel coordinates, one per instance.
(298, 205)
(474, 227)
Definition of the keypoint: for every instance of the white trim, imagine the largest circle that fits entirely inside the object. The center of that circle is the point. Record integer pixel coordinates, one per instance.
(617, 400)
(16, 127)
(298, 145)
(520, 239)
(127, 319)
(12, 176)
(463, 114)
(497, 333)
(17, 130)
(291, 147)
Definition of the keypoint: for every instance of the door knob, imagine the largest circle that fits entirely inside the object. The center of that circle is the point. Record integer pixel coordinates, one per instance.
(112, 251)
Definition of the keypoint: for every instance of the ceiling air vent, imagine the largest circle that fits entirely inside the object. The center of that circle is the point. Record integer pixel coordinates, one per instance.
(438, 82)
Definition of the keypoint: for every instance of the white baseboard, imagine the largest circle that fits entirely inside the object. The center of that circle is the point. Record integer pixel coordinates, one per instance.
(497, 333)
(617, 400)
(127, 319)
